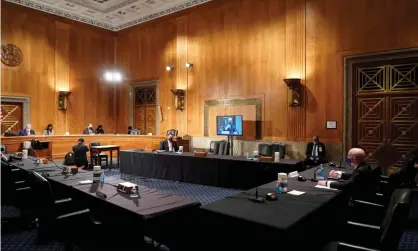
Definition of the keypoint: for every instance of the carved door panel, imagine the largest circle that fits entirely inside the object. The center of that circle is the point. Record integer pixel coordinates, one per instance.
(140, 118)
(403, 129)
(12, 117)
(151, 119)
(145, 109)
(371, 127)
(385, 112)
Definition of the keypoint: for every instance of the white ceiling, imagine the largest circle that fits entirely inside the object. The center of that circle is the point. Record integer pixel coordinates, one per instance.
(110, 14)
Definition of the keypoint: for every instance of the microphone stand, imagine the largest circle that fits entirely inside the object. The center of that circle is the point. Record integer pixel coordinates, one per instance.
(258, 199)
(37, 160)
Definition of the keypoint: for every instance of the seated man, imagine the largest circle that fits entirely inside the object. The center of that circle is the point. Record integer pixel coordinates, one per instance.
(89, 130)
(27, 131)
(80, 154)
(169, 145)
(359, 182)
(315, 153)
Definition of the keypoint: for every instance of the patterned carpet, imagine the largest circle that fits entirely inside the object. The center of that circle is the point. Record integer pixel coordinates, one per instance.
(26, 240)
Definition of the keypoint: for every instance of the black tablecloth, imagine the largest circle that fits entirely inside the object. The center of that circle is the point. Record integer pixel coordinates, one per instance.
(214, 170)
(151, 202)
(303, 221)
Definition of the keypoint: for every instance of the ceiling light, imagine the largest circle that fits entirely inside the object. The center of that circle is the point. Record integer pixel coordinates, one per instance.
(169, 68)
(188, 65)
(108, 76)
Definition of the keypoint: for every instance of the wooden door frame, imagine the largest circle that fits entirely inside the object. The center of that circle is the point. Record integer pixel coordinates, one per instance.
(25, 101)
(141, 84)
(349, 62)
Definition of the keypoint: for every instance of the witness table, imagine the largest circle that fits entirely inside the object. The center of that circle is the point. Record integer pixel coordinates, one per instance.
(214, 170)
(109, 148)
(302, 222)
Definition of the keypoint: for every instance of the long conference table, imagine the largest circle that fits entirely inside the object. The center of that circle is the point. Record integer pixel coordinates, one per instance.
(303, 222)
(118, 209)
(214, 170)
(59, 145)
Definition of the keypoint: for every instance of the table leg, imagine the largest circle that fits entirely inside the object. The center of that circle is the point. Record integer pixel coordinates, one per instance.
(118, 156)
(111, 158)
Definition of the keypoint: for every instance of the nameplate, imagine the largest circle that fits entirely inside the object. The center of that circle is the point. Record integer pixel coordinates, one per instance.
(101, 195)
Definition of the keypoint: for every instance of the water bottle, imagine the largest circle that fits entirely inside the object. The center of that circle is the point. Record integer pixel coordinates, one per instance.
(102, 176)
(278, 188)
(134, 192)
(320, 173)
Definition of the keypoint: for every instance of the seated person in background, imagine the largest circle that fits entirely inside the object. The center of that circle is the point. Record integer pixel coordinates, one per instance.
(408, 174)
(315, 153)
(129, 129)
(89, 129)
(359, 182)
(27, 131)
(169, 145)
(80, 154)
(99, 129)
(49, 130)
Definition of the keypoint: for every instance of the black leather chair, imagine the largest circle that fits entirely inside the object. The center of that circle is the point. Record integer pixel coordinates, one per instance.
(3, 149)
(57, 218)
(279, 147)
(223, 147)
(97, 156)
(265, 150)
(212, 147)
(384, 237)
(174, 132)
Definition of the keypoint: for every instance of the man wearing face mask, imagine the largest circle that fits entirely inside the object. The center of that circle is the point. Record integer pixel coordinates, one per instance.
(315, 153)
(169, 145)
(89, 129)
(359, 182)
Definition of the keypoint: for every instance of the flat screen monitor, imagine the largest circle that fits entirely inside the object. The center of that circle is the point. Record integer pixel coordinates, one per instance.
(229, 125)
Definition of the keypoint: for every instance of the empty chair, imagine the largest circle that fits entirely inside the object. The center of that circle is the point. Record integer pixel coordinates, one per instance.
(97, 156)
(212, 147)
(265, 150)
(174, 132)
(279, 147)
(384, 237)
(3, 149)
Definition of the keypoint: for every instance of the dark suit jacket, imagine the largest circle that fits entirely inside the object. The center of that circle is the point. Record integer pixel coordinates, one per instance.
(407, 174)
(164, 145)
(359, 183)
(86, 131)
(80, 155)
(23, 132)
(321, 146)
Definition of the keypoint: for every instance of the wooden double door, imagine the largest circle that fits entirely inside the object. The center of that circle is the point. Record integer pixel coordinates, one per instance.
(146, 109)
(385, 112)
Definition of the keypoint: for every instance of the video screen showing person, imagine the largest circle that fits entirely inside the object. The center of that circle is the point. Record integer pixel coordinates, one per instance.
(229, 125)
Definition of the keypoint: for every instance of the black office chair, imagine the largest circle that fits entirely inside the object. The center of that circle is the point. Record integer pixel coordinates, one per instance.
(212, 147)
(174, 132)
(265, 150)
(3, 149)
(97, 156)
(56, 218)
(387, 236)
(279, 147)
(224, 147)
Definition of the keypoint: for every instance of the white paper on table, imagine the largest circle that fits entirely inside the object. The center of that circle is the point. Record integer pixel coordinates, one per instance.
(325, 187)
(85, 182)
(296, 192)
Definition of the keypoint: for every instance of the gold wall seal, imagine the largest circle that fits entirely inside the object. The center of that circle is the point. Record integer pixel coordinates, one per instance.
(11, 55)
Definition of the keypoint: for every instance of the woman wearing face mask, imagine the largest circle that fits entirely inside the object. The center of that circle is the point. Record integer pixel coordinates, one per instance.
(99, 129)
(49, 130)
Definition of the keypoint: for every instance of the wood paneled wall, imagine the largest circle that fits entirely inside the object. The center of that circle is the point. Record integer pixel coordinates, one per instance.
(242, 48)
(59, 55)
(239, 49)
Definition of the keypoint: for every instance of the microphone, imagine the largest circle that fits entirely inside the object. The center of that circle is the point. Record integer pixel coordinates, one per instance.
(258, 199)
(63, 168)
(37, 160)
(340, 166)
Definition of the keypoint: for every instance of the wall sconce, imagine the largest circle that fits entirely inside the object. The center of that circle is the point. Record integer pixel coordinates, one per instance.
(62, 100)
(169, 68)
(179, 99)
(189, 65)
(294, 85)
